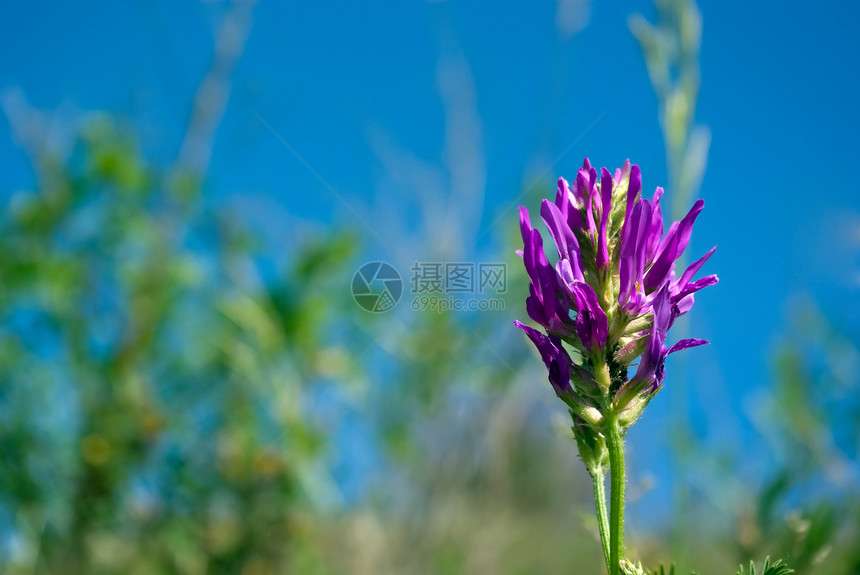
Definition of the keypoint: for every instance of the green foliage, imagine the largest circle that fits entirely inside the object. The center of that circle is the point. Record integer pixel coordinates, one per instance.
(159, 398)
(630, 568)
(775, 568)
(151, 401)
(808, 509)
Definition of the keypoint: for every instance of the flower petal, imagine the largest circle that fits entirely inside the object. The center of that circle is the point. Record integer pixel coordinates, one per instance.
(554, 356)
(696, 266)
(686, 344)
(605, 205)
(655, 231)
(565, 241)
(631, 265)
(695, 286)
(672, 247)
(591, 323)
(634, 187)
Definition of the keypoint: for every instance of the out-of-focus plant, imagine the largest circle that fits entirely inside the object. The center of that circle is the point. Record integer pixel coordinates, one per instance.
(152, 399)
(815, 530)
(809, 507)
(806, 507)
(671, 50)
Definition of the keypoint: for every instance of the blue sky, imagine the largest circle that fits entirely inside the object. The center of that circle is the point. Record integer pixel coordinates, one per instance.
(373, 96)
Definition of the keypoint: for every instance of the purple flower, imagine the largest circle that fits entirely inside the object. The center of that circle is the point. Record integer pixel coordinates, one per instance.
(651, 372)
(605, 206)
(565, 240)
(543, 303)
(643, 249)
(682, 290)
(635, 239)
(613, 292)
(591, 322)
(554, 356)
(671, 248)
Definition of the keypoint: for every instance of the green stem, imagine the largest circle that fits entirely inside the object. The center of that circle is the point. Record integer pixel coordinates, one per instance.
(599, 475)
(615, 445)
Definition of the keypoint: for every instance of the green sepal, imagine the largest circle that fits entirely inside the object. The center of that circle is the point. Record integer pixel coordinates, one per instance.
(591, 444)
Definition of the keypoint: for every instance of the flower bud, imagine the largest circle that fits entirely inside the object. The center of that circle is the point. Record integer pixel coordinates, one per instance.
(592, 446)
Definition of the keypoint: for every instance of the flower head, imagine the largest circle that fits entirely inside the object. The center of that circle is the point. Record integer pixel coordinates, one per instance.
(612, 294)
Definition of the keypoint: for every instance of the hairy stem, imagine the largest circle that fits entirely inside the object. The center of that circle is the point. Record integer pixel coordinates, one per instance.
(615, 445)
(602, 518)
